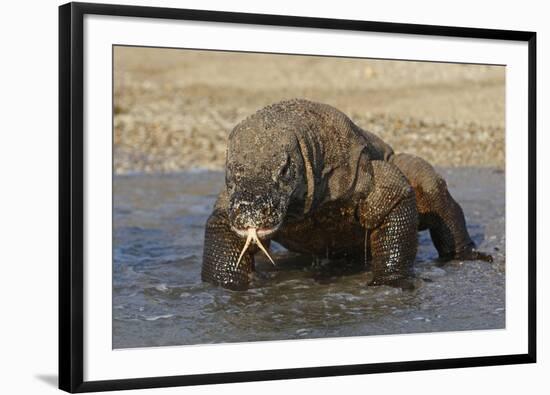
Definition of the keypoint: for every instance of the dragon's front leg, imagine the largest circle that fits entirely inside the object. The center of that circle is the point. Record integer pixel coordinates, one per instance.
(222, 248)
(390, 219)
(393, 245)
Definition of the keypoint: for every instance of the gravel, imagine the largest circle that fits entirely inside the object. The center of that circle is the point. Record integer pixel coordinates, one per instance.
(173, 109)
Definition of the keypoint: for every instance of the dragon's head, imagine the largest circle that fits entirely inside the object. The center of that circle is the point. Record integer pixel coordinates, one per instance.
(264, 173)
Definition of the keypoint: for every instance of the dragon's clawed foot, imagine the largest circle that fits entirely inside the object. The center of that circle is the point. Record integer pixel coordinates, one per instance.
(473, 255)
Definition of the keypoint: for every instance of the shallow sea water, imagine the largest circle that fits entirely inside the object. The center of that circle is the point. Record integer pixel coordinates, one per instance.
(159, 299)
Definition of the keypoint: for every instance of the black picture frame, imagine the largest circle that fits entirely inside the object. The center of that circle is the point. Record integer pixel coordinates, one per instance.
(71, 204)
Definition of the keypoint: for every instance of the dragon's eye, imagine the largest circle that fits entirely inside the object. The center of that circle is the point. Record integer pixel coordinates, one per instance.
(284, 170)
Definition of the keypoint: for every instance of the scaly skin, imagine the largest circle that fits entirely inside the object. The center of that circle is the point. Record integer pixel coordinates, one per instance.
(303, 174)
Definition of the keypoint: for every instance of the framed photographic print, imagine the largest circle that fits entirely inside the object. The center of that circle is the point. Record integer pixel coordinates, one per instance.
(250, 197)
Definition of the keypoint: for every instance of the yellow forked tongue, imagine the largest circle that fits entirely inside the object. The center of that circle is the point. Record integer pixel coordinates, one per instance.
(253, 236)
(248, 240)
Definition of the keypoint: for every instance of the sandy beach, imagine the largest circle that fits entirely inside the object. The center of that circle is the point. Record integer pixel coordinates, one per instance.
(174, 109)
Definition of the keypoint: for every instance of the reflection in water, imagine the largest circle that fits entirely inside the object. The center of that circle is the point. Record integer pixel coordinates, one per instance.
(159, 299)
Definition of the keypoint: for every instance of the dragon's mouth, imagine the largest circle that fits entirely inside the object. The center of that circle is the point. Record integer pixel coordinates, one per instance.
(262, 233)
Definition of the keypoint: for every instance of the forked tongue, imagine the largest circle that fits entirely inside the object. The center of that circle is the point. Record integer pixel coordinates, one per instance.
(253, 236)
(248, 240)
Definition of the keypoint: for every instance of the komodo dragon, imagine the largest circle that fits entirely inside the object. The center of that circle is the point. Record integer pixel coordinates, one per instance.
(304, 175)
